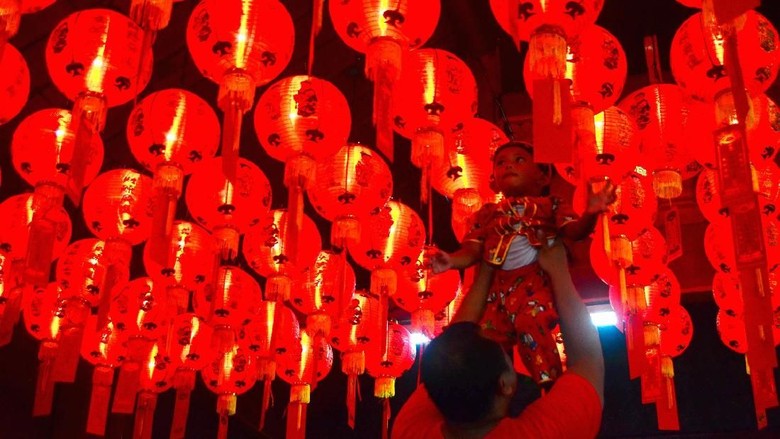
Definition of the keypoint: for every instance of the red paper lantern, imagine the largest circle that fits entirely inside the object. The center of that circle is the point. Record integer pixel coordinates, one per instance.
(384, 32)
(117, 205)
(16, 214)
(81, 271)
(189, 343)
(97, 51)
(324, 288)
(32, 6)
(731, 329)
(663, 295)
(155, 376)
(189, 262)
(697, 55)
(708, 197)
(677, 334)
(719, 247)
(727, 291)
(232, 302)
(437, 93)
(230, 375)
(42, 148)
(302, 115)
(609, 151)
(648, 258)
(346, 187)
(658, 111)
(39, 308)
(393, 236)
(522, 19)
(172, 127)
(139, 308)
(228, 208)
(268, 251)
(14, 83)
(596, 65)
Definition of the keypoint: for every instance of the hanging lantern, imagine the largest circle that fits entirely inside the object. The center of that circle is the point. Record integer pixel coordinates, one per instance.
(103, 349)
(141, 309)
(227, 306)
(41, 319)
(658, 112)
(240, 45)
(306, 362)
(697, 55)
(15, 81)
(10, 15)
(151, 16)
(596, 65)
(169, 133)
(93, 58)
(663, 295)
(384, 32)
(719, 247)
(267, 250)
(731, 329)
(677, 334)
(346, 187)
(323, 290)
(764, 140)
(227, 208)
(156, 376)
(10, 294)
(230, 375)
(188, 264)
(189, 348)
(727, 293)
(391, 239)
(265, 338)
(387, 363)
(439, 94)
(355, 331)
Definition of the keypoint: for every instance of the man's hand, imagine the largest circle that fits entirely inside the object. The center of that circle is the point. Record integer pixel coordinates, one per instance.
(598, 202)
(440, 262)
(552, 258)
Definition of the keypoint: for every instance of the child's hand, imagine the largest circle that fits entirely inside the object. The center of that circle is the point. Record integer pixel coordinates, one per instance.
(598, 202)
(440, 262)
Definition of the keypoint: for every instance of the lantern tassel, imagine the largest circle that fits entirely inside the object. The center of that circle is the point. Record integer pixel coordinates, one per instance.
(383, 68)
(316, 26)
(226, 407)
(102, 379)
(351, 395)
(10, 315)
(126, 388)
(71, 333)
(267, 394)
(87, 120)
(296, 420)
(385, 417)
(117, 254)
(44, 388)
(144, 415)
(184, 380)
(168, 181)
(236, 95)
(47, 199)
(231, 136)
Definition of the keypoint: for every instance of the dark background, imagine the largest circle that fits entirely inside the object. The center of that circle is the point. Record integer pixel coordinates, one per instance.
(714, 395)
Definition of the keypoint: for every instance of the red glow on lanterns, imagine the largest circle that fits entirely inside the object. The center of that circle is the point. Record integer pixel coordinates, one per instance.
(14, 82)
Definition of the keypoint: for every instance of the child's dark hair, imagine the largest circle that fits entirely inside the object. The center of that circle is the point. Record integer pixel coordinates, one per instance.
(547, 169)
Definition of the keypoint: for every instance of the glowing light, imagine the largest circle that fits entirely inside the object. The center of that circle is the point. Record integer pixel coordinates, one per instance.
(152, 362)
(244, 36)
(54, 327)
(394, 214)
(305, 349)
(97, 69)
(429, 75)
(269, 324)
(598, 121)
(380, 17)
(418, 338)
(604, 318)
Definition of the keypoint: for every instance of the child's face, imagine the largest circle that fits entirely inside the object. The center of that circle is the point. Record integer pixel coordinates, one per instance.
(516, 174)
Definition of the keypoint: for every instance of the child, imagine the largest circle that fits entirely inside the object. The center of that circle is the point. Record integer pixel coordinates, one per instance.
(519, 307)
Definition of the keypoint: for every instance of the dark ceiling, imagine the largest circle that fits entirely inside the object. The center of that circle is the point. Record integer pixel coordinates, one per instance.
(466, 28)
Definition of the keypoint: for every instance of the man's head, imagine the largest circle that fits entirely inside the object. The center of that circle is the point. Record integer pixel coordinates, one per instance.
(466, 374)
(515, 173)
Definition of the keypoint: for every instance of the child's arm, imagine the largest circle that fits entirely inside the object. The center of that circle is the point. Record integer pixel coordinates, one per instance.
(598, 203)
(468, 255)
(473, 306)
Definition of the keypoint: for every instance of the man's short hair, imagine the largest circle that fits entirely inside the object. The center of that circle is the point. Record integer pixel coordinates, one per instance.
(460, 370)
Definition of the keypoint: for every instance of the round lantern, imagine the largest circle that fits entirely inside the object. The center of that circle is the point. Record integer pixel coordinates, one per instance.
(102, 348)
(189, 348)
(230, 375)
(663, 295)
(97, 51)
(232, 302)
(14, 84)
(708, 197)
(677, 334)
(606, 149)
(117, 206)
(240, 45)
(466, 165)
(228, 207)
(384, 32)
(302, 115)
(437, 93)
(172, 127)
(265, 338)
(307, 361)
(719, 247)
(269, 252)
(697, 55)
(155, 376)
(139, 308)
(42, 311)
(346, 187)
(81, 271)
(727, 291)
(389, 362)
(323, 289)
(42, 149)
(188, 264)
(731, 330)
(596, 65)
(16, 215)
(658, 112)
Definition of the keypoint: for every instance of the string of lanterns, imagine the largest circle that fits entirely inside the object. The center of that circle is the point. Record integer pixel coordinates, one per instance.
(200, 310)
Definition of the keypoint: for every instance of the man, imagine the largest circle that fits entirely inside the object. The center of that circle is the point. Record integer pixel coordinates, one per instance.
(469, 381)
